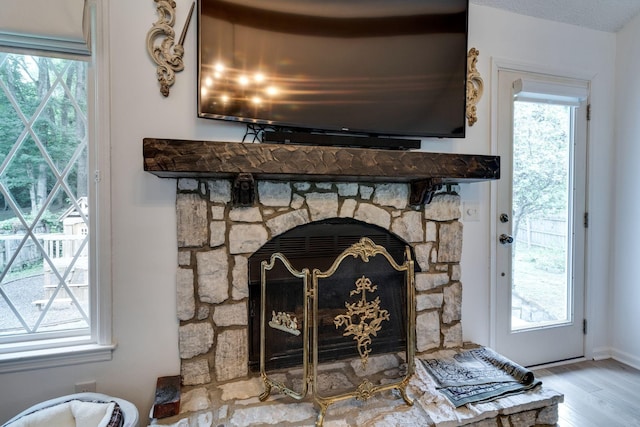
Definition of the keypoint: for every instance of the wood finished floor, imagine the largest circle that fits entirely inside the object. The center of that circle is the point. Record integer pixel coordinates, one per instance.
(604, 393)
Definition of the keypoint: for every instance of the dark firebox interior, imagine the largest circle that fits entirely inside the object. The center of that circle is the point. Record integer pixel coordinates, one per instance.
(316, 246)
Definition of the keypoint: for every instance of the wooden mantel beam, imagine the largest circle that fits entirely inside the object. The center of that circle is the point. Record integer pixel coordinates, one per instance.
(173, 158)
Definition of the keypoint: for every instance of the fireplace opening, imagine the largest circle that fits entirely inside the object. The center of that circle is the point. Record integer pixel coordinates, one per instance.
(316, 246)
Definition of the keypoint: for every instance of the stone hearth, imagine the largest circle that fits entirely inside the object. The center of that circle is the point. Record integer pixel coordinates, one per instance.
(235, 404)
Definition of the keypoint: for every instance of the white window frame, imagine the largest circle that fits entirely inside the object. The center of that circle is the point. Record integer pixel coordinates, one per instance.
(98, 345)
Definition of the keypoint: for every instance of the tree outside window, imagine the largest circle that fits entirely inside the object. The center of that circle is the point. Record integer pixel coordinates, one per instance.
(44, 209)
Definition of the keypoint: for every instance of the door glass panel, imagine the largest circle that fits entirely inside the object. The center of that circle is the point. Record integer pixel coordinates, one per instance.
(541, 196)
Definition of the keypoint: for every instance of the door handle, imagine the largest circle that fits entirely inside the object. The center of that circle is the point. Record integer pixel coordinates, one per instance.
(505, 239)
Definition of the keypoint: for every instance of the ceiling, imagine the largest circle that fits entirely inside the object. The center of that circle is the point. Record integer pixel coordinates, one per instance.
(602, 15)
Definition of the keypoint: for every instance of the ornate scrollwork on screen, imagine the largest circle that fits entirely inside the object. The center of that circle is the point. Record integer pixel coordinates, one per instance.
(167, 54)
(363, 318)
(365, 390)
(475, 86)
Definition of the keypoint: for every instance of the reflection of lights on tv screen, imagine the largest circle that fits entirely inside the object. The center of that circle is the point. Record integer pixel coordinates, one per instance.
(236, 92)
(391, 74)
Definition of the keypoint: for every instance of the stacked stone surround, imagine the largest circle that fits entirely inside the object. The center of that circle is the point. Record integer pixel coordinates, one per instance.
(216, 239)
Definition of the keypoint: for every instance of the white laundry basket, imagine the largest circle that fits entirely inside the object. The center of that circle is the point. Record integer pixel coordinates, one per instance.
(58, 412)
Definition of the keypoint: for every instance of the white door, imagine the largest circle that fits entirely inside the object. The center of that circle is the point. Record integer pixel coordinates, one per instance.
(542, 140)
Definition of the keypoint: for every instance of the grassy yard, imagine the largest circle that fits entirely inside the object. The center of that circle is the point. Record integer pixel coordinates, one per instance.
(540, 280)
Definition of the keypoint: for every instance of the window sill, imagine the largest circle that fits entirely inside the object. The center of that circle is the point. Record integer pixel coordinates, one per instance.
(53, 357)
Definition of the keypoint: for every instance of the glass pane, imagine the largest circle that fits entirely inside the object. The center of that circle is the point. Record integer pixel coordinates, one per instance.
(44, 284)
(21, 76)
(10, 125)
(285, 342)
(541, 286)
(18, 176)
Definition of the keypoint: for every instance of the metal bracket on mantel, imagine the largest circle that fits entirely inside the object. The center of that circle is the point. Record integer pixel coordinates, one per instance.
(244, 190)
(422, 191)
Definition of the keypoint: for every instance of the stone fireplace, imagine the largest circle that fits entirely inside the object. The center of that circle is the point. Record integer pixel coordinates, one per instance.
(216, 240)
(233, 198)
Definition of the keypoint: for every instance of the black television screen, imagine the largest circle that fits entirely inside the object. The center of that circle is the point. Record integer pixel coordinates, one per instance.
(372, 67)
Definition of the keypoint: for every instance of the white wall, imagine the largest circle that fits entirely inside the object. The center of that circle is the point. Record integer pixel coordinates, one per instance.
(625, 318)
(144, 237)
(550, 47)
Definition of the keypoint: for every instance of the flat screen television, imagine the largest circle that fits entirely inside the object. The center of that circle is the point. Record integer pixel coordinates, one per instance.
(354, 67)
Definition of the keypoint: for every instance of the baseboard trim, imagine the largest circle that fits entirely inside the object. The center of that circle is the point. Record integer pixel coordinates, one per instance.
(601, 353)
(626, 358)
(558, 363)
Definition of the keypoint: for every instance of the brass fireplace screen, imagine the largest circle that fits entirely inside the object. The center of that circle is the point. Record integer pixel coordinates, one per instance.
(356, 301)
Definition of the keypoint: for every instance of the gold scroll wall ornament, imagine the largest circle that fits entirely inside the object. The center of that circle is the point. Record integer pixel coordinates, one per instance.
(167, 54)
(368, 318)
(475, 86)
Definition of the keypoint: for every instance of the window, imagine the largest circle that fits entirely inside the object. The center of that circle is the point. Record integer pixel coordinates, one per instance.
(51, 290)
